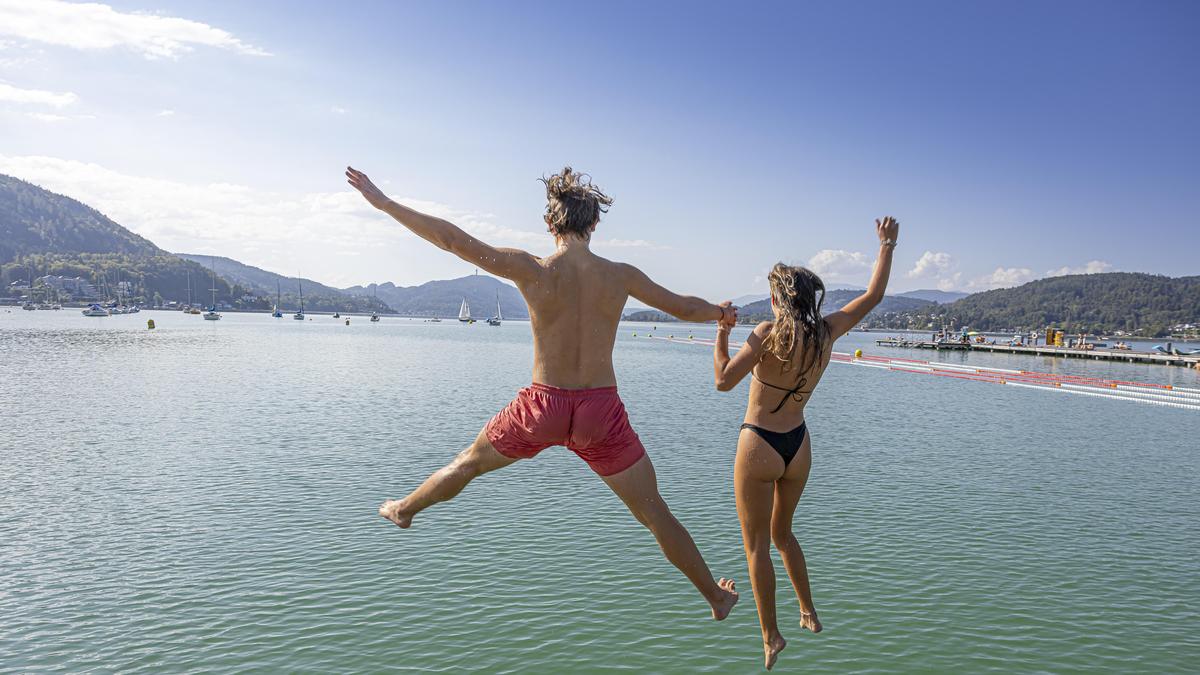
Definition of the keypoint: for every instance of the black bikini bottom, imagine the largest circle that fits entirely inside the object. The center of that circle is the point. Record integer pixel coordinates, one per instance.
(786, 443)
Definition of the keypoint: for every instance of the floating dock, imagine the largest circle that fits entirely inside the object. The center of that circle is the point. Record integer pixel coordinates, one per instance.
(922, 344)
(1126, 356)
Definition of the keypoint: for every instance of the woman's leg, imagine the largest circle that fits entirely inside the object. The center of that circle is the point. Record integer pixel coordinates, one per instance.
(754, 473)
(787, 494)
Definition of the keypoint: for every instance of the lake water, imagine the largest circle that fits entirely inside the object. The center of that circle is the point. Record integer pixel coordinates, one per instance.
(202, 497)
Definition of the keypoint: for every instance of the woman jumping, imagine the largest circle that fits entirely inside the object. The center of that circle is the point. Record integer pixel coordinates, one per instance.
(786, 358)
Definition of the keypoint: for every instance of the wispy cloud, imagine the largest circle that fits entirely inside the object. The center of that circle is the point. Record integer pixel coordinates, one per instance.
(629, 243)
(99, 26)
(338, 110)
(11, 94)
(46, 117)
(164, 113)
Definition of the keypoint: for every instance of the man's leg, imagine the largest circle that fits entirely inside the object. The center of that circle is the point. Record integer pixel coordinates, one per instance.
(479, 458)
(637, 486)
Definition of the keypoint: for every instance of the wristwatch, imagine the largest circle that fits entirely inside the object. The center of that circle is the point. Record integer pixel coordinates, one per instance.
(888, 242)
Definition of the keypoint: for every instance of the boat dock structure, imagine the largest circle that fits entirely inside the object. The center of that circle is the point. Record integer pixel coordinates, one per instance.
(1127, 356)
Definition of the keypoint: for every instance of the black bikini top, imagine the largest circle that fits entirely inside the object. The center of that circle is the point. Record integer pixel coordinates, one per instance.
(796, 393)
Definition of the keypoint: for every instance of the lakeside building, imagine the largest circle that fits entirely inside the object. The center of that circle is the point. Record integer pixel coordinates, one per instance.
(76, 287)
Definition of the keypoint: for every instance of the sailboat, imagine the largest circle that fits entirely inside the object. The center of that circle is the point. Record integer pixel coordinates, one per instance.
(211, 314)
(190, 308)
(495, 320)
(299, 316)
(375, 297)
(464, 312)
(276, 312)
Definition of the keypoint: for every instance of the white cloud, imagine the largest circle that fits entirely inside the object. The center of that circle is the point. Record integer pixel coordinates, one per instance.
(1003, 277)
(236, 219)
(939, 267)
(164, 113)
(836, 264)
(1090, 267)
(98, 26)
(338, 110)
(931, 264)
(11, 94)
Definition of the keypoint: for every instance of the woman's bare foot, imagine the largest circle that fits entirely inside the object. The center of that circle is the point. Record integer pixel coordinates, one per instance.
(810, 621)
(726, 601)
(393, 510)
(771, 648)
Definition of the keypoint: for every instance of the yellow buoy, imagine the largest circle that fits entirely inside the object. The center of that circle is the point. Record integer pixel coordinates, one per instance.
(858, 353)
(150, 324)
(635, 335)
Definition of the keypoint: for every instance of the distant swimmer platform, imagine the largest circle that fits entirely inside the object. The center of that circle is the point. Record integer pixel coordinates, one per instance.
(1065, 352)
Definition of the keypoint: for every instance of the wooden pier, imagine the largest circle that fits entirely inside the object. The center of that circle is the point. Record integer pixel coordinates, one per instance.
(1064, 352)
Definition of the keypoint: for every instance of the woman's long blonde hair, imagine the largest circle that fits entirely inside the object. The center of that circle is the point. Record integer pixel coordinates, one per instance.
(798, 293)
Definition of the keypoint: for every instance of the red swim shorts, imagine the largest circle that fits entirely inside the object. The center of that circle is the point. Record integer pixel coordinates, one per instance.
(591, 422)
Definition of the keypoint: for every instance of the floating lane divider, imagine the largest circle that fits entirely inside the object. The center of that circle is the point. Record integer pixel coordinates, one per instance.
(1171, 396)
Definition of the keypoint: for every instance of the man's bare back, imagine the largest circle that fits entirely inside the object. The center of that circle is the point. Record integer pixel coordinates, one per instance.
(575, 303)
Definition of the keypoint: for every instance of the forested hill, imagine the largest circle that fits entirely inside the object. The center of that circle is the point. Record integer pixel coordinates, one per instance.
(1095, 303)
(34, 220)
(43, 233)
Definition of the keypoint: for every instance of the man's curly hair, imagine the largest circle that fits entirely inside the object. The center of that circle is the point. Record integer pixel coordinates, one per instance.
(573, 204)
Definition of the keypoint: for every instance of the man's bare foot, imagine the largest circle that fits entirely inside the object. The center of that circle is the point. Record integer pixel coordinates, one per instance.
(393, 510)
(771, 649)
(810, 621)
(728, 598)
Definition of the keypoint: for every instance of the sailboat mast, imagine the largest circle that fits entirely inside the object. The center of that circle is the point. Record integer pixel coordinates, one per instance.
(214, 283)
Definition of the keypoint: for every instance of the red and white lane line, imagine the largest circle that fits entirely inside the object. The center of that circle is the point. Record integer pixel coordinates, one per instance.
(1167, 395)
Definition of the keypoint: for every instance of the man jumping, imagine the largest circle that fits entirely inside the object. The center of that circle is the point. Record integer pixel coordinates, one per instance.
(575, 300)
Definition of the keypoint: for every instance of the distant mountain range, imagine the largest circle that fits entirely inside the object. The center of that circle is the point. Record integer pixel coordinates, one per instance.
(933, 295)
(444, 298)
(263, 284)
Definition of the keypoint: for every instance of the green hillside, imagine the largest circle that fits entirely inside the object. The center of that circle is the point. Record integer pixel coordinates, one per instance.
(33, 220)
(1096, 303)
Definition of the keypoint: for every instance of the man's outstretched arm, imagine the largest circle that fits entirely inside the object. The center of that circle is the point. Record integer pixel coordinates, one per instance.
(509, 263)
(684, 307)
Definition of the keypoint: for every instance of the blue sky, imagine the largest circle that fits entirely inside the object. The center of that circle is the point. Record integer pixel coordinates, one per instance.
(1012, 140)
